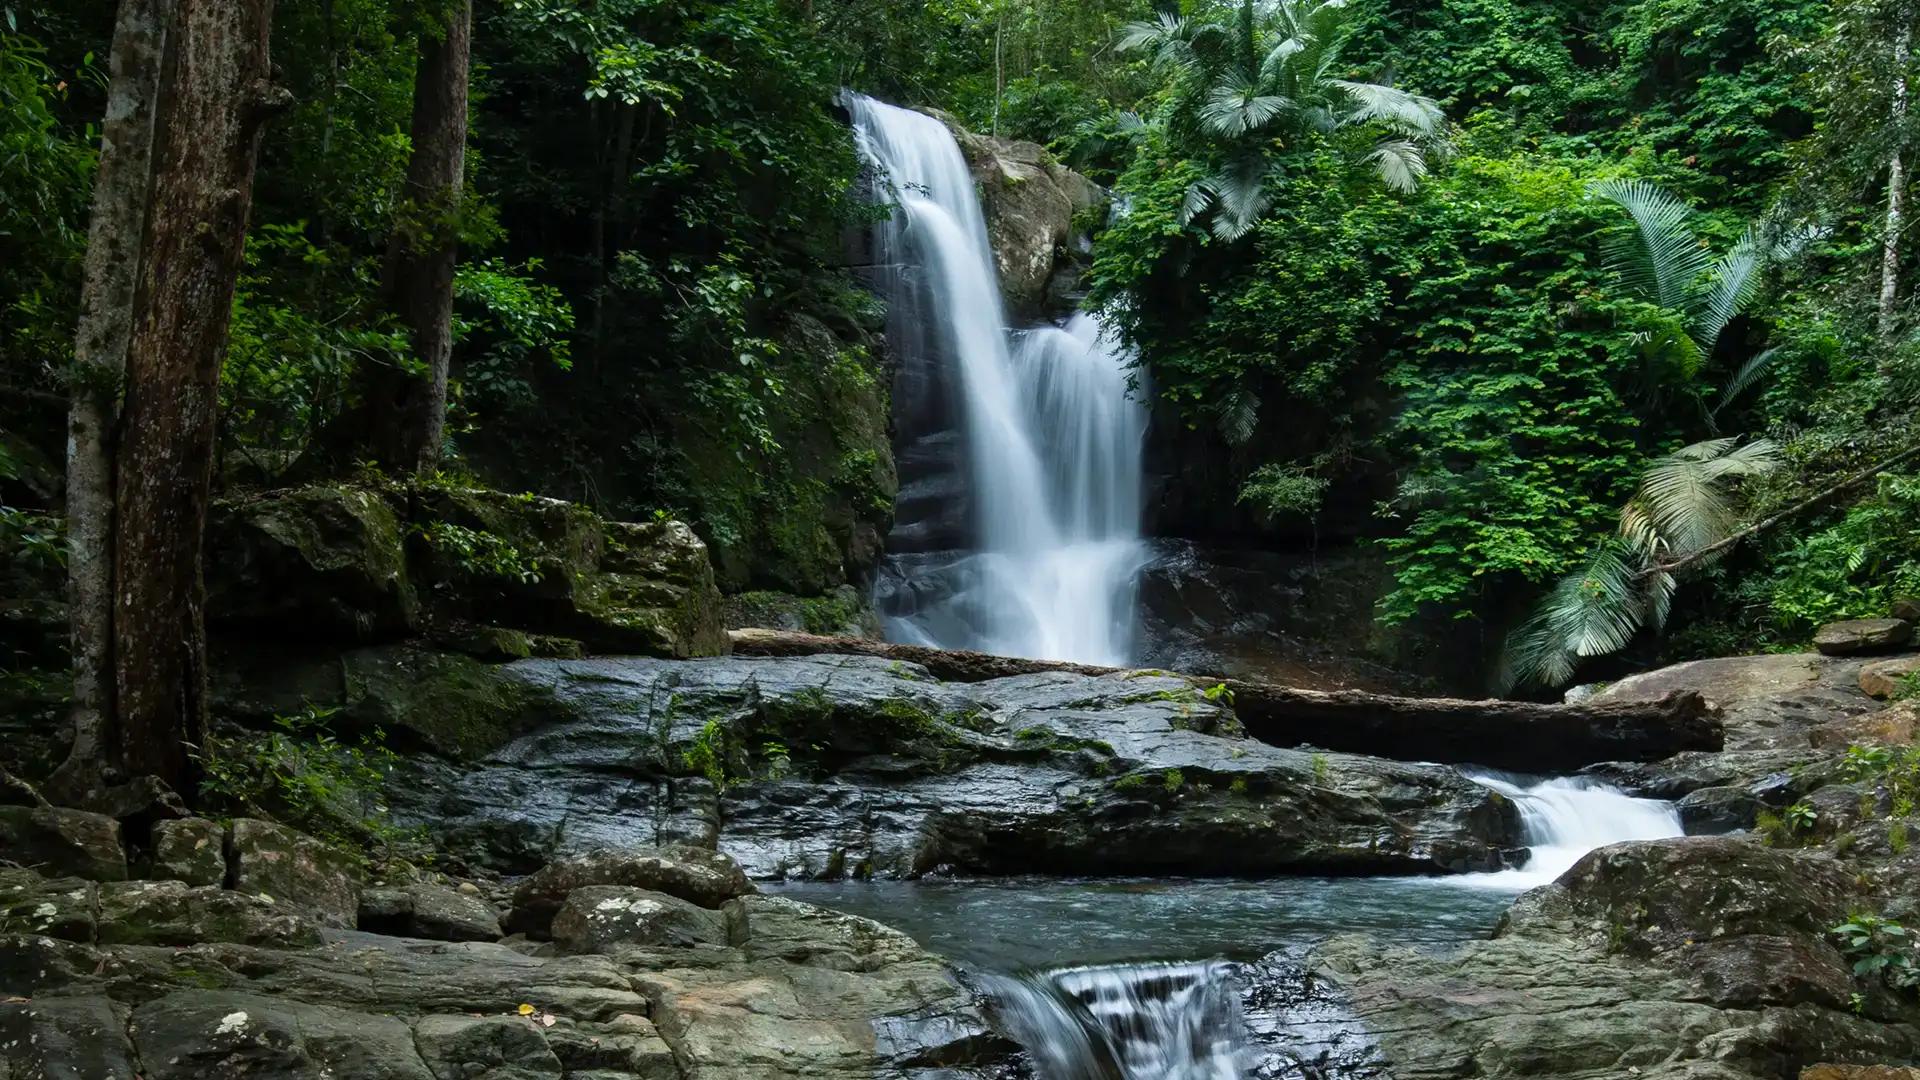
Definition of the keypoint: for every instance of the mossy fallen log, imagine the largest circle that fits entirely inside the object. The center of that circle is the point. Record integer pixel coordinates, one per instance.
(1518, 735)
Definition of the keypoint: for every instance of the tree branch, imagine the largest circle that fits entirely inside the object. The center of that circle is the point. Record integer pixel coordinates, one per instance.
(1764, 524)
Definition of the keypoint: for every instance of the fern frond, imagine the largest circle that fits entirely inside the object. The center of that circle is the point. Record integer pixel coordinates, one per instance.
(1736, 281)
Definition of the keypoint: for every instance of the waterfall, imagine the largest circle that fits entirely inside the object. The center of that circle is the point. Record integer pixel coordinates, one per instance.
(1128, 1022)
(1052, 439)
(1567, 817)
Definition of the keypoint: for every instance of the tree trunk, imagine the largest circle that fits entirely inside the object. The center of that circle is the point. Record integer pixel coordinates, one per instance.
(115, 249)
(1896, 178)
(213, 102)
(1503, 734)
(409, 409)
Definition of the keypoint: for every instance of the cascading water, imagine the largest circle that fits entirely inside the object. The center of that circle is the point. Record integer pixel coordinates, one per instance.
(1052, 437)
(1567, 817)
(1128, 1022)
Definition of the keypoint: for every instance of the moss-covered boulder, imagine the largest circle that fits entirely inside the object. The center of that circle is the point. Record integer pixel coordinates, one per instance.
(557, 568)
(1031, 202)
(322, 561)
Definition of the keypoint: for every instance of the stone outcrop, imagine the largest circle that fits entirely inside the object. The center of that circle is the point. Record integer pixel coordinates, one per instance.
(770, 989)
(1702, 958)
(831, 766)
(1856, 637)
(337, 563)
(1030, 202)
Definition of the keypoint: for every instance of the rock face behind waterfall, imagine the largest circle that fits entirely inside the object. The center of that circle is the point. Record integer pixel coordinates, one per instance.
(831, 766)
(1030, 201)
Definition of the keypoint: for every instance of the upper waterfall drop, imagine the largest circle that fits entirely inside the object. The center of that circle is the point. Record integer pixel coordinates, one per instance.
(1052, 437)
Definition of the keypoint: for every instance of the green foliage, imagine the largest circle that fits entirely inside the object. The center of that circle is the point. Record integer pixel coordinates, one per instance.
(1322, 769)
(1881, 951)
(710, 754)
(302, 773)
(1852, 568)
(479, 552)
(1172, 780)
(1895, 770)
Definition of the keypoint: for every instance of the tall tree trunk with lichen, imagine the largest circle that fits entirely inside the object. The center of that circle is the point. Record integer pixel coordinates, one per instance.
(116, 238)
(409, 409)
(1896, 176)
(214, 100)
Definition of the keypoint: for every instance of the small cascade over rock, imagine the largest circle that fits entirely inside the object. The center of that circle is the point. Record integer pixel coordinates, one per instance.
(1129, 1021)
(1051, 438)
(1567, 817)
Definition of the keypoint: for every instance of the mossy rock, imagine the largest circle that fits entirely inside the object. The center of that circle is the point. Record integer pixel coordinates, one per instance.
(556, 568)
(842, 612)
(325, 561)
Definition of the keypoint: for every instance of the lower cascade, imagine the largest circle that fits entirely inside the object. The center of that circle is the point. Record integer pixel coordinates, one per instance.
(1566, 817)
(1051, 437)
(1128, 1021)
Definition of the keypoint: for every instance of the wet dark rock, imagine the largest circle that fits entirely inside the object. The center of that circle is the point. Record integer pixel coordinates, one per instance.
(192, 850)
(66, 1039)
(690, 874)
(1855, 637)
(1718, 809)
(832, 766)
(427, 910)
(296, 871)
(191, 1034)
(59, 841)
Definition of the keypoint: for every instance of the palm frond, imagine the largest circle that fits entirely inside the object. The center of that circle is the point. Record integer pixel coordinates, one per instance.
(1234, 109)
(1400, 162)
(1736, 280)
(1239, 415)
(1744, 378)
(1592, 611)
(1660, 258)
(1240, 196)
(1682, 504)
(1199, 196)
(1408, 113)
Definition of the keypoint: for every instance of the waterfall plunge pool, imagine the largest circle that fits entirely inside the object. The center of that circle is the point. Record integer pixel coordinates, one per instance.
(1017, 924)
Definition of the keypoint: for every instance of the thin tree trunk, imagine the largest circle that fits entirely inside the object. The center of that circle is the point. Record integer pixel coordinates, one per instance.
(1896, 178)
(410, 410)
(115, 248)
(999, 65)
(1808, 503)
(214, 101)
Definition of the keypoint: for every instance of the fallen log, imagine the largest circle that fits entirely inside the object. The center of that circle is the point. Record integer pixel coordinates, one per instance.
(1517, 735)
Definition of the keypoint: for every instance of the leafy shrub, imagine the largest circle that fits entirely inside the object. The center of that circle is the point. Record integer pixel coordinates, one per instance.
(303, 774)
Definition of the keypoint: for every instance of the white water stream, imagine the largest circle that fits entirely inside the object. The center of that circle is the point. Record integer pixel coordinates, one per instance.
(1052, 437)
(1567, 817)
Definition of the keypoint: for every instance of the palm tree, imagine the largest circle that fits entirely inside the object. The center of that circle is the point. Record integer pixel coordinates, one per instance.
(1683, 507)
(1660, 259)
(1268, 81)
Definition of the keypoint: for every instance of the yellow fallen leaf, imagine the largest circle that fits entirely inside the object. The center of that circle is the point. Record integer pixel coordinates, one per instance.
(526, 1010)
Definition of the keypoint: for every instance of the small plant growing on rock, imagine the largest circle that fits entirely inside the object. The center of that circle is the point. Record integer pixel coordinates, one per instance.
(1173, 780)
(1801, 817)
(304, 775)
(1879, 948)
(1322, 770)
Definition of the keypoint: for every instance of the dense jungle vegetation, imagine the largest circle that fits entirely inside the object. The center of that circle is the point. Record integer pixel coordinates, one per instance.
(1545, 298)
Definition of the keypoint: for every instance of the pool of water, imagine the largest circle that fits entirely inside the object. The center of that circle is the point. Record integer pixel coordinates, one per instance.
(1025, 924)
